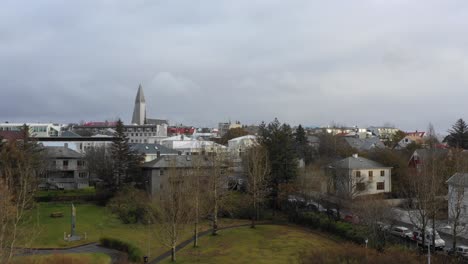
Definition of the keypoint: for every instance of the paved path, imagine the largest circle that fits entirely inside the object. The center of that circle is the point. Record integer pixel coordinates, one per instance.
(88, 248)
(188, 241)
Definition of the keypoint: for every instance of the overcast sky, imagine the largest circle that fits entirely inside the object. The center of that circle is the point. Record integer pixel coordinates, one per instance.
(201, 62)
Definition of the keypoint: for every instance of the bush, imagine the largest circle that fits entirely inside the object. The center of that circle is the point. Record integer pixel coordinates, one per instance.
(134, 253)
(131, 205)
(321, 222)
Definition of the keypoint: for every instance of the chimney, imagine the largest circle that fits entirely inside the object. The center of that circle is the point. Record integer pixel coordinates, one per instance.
(65, 145)
(355, 156)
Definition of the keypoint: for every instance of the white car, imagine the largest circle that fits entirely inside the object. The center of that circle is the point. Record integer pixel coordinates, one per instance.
(401, 231)
(439, 242)
(461, 251)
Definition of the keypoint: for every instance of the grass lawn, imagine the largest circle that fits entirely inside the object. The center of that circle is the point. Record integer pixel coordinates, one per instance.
(97, 222)
(265, 244)
(95, 258)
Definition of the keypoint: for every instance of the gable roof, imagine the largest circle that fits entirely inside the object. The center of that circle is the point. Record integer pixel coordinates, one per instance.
(11, 135)
(356, 162)
(62, 152)
(153, 149)
(459, 179)
(179, 161)
(364, 144)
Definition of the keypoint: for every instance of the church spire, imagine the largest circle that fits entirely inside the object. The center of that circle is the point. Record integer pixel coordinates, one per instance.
(139, 112)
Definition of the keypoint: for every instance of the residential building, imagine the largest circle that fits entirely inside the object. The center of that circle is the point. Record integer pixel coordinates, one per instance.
(78, 143)
(457, 197)
(10, 135)
(409, 139)
(384, 133)
(188, 146)
(364, 144)
(237, 146)
(356, 176)
(66, 169)
(223, 128)
(157, 171)
(420, 156)
(35, 129)
(148, 133)
(153, 151)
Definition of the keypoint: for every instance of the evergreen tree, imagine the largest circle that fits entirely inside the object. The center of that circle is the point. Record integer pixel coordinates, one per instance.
(279, 141)
(125, 160)
(458, 135)
(303, 149)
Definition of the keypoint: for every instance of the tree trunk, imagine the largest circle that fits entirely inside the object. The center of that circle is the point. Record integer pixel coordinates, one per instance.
(173, 253)
(195, 234)
(214, 232)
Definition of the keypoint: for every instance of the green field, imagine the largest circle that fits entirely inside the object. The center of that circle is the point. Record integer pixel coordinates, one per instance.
(95, 258)
(96, 222)
(264, 244)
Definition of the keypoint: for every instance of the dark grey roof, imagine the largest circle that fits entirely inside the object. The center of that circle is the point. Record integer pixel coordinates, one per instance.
(62, 152)
(69, 134)
(179, 161)
(153, 149)
(357, 163)
(459, 179)
(424, 154)
(364, 144)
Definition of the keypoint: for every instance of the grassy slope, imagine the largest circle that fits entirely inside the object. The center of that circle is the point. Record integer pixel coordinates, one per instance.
(96, 221)
(265, 244)
(96, 258)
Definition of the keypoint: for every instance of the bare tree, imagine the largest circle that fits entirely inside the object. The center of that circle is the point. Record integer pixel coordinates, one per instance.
(172, 208)
(217, 182)
(374, 213)
(198, 181)
(256, 164)
(20, 166)
(456, 196)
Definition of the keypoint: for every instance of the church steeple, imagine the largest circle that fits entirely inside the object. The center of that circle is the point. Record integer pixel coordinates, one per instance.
(139, 112)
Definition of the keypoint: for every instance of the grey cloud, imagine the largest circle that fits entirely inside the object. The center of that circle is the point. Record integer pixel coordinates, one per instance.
(309, 62)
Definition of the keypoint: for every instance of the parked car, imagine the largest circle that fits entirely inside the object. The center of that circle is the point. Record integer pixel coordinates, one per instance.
(461, 251)
(401, 231)
(439, 242)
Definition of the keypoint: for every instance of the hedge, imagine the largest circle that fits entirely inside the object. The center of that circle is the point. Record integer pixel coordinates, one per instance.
(321, 222)
(134, 253)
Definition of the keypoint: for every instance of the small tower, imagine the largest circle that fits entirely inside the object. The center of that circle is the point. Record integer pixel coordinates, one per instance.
(139, 112)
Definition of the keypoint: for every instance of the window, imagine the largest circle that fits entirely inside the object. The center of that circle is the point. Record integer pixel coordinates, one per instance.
(358, 173)
(65, 163)
(361, 186)
(382, 173)
(381, 186)
(371, 174)
(81, 163)
(161, 172)
(82, 174)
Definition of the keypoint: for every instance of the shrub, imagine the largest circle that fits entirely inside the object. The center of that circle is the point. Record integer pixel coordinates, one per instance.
(345, 230)
(134, 253)
(131, 205)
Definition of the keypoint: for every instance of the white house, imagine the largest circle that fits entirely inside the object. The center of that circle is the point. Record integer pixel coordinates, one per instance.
(188, 146)
(458, 197)
(357, 176)
(35, 129)
(239, 144)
